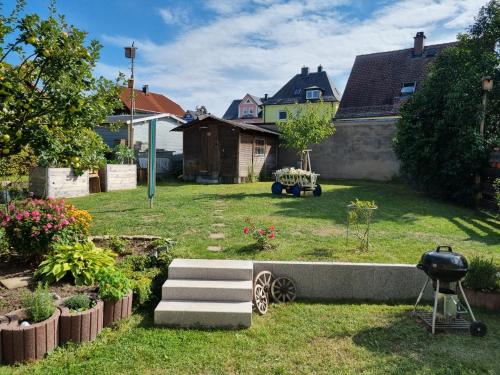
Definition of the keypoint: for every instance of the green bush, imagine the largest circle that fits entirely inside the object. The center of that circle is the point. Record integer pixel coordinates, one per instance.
(161, 245)
(122, 154)
(79, 302)
(113, 284)
(4, 244)
(138, 262)
(39, 305)
(118, 245)
(483, 274)
(82, 261)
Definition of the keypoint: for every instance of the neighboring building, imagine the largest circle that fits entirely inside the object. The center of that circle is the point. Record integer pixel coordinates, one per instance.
(362, 147)
(304, 87)
(168, 143)
(218, 150)
(147, 102)
(248, 109)
(191, 115)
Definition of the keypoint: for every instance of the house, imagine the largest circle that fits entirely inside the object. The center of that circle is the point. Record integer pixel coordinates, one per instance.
(379, 83)
(191, 115)
(168, 144)
(248, 109)
(219, 150)
(147, 102)
(305, 87)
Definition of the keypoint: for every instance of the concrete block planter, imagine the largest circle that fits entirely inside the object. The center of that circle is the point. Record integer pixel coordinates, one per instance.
(58, 183)
(115, 310)
(486, 300)
(118, 177)
(28, 343)
(81, 326)
(4, 321)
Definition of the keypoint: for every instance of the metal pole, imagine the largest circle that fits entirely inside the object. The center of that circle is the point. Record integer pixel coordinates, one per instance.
(132, 101)
(434, 311)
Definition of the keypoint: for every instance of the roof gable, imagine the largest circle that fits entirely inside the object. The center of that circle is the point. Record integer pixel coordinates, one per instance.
(151, 102)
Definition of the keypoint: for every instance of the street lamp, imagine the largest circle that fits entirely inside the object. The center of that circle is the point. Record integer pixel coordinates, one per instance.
(130, 54)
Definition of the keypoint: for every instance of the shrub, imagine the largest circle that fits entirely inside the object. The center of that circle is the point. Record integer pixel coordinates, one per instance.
(113, 284)
(138, 262)
(359, 217)
(161, 245)
(121, 154)
(482, 275)
(83, 261)
(118, 245)
(33, 226)
(39, 305)
(4, 244)
(262, 236)
(79, 303)
(163, 261)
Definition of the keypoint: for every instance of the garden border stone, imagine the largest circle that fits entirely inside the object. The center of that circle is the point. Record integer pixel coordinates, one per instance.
(115, 310)
(81, 326)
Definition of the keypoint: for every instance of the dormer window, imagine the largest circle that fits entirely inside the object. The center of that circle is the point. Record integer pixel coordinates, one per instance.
(313, 94)
(408, 88)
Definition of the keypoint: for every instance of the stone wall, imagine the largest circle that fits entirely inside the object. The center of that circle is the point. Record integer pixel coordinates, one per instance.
(360, 149)
(339, 280)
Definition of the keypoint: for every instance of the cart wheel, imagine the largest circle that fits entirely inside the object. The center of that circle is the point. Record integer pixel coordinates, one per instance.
(295, 190)
(317, 190)
(277, 188)
(478, 328)
(261, 299)
(283, 289)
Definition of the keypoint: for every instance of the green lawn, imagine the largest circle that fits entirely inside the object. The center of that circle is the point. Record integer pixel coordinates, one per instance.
(405, 225)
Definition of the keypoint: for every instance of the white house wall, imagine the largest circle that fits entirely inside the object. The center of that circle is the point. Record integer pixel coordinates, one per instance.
(165, 139)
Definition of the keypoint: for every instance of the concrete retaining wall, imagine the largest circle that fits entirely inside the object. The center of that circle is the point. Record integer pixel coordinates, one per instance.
(118, 177)
(336, 281)
(58, 183)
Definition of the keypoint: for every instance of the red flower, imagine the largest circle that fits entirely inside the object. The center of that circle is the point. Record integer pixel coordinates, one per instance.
(261, 231)
(272, 227)
(272, 235)
(246, 230)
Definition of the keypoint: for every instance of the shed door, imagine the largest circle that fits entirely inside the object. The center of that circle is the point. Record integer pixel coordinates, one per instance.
(204, 155)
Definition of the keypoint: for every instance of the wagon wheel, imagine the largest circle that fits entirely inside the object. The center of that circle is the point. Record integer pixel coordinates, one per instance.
(277, 188)
(317, 190)
(283, 290)
(264, 278)
(261, 299)
(295, 190)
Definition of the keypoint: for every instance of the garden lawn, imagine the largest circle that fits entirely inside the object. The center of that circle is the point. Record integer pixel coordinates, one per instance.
(405, 225)
(300, 338)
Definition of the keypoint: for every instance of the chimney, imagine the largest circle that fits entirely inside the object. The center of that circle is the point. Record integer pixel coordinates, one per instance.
(320, 68)
(419, 44)
(304, 71)
(145, 89)
(265, 96)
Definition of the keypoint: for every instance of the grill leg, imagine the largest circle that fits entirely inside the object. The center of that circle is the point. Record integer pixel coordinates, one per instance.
(466, 301)
(421, 294)
(434, 311)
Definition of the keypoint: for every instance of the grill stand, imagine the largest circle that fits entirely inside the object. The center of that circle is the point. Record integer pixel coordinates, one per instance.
(476, 328)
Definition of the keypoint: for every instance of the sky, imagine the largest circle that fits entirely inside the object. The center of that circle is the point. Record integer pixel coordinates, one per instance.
(211, 52)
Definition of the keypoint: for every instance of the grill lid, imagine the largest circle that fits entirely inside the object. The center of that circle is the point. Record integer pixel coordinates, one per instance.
(444, 265)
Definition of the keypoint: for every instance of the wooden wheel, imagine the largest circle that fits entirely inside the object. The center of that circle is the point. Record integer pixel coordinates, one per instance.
(261, 299)
(283, 290)
(264, 278)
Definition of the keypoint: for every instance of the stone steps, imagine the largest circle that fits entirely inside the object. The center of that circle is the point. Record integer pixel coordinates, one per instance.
(207, 290)
(204, 269)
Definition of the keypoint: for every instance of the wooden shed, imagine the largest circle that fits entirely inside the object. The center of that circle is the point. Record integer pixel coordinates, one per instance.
(217, 150)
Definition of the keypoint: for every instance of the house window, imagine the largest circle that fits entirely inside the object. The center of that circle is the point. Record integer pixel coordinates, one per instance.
(282, 115)
(312, 94)
(260, 147)
(408, 88)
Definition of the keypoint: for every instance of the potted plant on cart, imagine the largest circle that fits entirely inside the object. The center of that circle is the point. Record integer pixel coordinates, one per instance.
(482, 284)
(116, 291)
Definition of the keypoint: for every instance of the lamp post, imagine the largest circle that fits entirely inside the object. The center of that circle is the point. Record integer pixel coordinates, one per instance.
(130, 54)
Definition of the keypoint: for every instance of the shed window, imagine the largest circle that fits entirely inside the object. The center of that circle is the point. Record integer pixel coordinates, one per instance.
(408, 88)
(260, 147)
(282, 115)
(312, 94)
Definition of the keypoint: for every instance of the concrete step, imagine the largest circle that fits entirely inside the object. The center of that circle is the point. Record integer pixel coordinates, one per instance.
(204, 314)
(204, 269)
(207, 290)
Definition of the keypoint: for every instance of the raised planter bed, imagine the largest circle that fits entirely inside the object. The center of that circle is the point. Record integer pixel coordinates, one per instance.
(28, 343)
(118, 177)
(115, 310)
(81, 326)
(58, 182)
(486, 300)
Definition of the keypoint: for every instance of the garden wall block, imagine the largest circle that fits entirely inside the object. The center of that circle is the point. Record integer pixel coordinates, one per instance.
(28, 343)
(117, 310)
(4, 321)
(58, 183)
(339, 280)
(81, 326)
(118, 177)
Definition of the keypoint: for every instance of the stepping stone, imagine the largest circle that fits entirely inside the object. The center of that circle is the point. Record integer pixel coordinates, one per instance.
(219, 225)
(216, 236)
(220, 201)
(214, 249)
(219, 217)
(16, 282)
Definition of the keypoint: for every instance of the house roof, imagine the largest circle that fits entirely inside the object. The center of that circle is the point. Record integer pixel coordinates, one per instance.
(374, 85)
(237, 124)
(151, 102)
(232, 112)
(138, 118)
(294, 90)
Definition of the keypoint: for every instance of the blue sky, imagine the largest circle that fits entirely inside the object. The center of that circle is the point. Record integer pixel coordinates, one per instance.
(210, 52)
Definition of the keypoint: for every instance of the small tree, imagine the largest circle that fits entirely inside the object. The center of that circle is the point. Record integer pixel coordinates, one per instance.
(306, 124)
(49, 99)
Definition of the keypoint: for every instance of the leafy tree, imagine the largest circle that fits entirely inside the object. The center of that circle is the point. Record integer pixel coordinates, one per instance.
(49, 99)
(438, 140)
(306, 124)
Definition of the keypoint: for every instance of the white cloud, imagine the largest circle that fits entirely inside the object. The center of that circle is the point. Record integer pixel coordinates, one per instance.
(174, 16)
(258, 51)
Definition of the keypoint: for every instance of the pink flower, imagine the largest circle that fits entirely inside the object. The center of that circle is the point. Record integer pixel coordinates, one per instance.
(261, 231)
(246, 230)
(26, 214)
(65, 222)
(49, 225)
(72, 219)
(35, 213)
(49, 216)
(36, 218)
(19, 216)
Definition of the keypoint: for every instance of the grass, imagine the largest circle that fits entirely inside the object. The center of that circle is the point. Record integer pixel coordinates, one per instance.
(405, 225)
(300, 338)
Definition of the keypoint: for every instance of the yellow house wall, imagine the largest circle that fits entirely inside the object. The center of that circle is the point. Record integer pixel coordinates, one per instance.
(271, 111)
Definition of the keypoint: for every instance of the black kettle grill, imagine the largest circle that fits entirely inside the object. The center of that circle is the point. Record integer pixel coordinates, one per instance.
(447, 269)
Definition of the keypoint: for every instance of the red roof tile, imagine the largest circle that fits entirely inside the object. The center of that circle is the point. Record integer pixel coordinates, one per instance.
(151, 102)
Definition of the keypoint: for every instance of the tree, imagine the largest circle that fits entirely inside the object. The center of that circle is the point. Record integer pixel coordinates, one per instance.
(305, 125)
(49, 99)
(438, 139)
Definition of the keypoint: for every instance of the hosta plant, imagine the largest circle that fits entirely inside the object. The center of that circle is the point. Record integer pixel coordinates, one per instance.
(81, 261)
